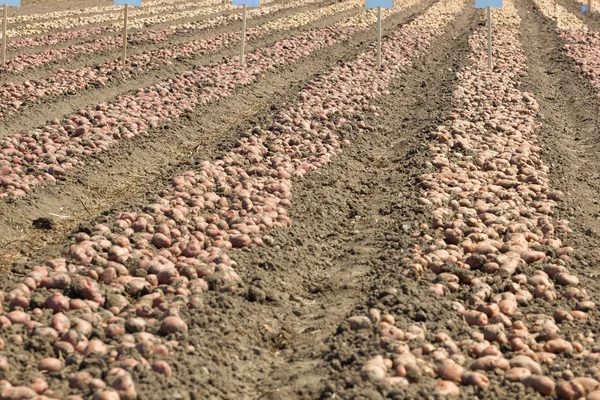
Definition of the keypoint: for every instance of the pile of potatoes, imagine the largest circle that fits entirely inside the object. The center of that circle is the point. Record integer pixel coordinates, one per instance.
(565, 21)
(28, 160)
(305, 18)
(367, 18)
(14, 96)
(439, 15)
(24, 18)
(135, 277)
(584, 49)
(52, 39)
(492, 246)
(138, 17)
(161, 18)
(157, 15)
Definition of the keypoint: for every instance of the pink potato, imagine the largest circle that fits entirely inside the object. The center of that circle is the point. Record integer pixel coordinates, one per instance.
(476, 379)
(107, 395)
(558, 346)
(80, 380)
(447, 388)
(589, 384)
(50, 365)
(95, 347)
(4, 365)
(517, 374)
(595, 395)
(542, 384)
(527, 363)
(569, 390)
(240, 241)
(17, 393)
(172, 325)
(60, 322)
(39, 385)
(475, 318)
(57, 303)
(18, 317)
(489, 363)
(451, 371)
(374, 369)
(162, 368)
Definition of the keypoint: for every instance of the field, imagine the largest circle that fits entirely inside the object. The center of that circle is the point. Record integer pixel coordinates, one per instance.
(303, 225)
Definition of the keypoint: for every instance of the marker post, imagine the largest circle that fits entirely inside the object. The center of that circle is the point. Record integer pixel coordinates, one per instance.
(243, 51)
(124, 51)
(379, 4)
(489, 4)
(489, 18)
(245, 4)
(126, 3)
(5, 4)
(379, 37)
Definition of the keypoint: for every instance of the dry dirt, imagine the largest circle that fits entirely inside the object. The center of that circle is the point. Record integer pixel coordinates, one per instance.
(278, 336)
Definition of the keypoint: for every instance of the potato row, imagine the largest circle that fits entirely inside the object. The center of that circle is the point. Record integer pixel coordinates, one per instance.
(492, 249)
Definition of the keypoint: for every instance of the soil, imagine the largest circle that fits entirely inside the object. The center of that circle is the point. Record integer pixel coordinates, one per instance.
(279, 335)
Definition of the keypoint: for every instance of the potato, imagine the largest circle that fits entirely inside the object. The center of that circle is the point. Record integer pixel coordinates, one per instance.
(491, 358)
(50, 365)
(475, 318)
(476, 379)
(447, 388)
(172, 325)
(162, 368)
(451, 371)
(517, 374)
(543, 384)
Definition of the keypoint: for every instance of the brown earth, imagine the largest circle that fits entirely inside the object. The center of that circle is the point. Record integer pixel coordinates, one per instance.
(277, 337)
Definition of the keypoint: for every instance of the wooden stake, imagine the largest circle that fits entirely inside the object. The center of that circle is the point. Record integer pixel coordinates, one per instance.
(589, 7)
(489, 16)
(124, 51)
(4, 22)
(243, 55)
(379, 37)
